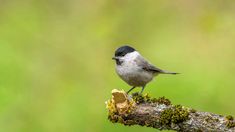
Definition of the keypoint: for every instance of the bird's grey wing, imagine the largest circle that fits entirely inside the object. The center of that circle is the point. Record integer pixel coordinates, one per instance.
(145, 65)
(141, 62)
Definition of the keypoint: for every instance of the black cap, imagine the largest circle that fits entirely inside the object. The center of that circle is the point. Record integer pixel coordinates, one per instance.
(123, 50)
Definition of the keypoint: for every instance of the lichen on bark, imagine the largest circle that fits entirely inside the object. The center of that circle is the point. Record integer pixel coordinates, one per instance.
(160, 113)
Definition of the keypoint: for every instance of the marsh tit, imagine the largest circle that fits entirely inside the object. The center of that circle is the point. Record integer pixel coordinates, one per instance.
(134, 69)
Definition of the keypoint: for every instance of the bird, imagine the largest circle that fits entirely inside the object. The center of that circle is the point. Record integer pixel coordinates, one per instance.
(134, 69)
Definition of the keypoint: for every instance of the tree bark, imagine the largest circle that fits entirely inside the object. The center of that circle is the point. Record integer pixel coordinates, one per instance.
(159, 113)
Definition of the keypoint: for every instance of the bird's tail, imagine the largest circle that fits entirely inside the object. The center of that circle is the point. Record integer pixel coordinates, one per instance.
(168, 72)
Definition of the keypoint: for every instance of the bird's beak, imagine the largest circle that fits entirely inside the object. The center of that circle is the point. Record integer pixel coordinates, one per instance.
(115, 58)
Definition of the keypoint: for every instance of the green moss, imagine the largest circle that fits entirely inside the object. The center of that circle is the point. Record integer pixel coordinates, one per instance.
(229, 117)
(161, 100)
(113, 118)
(180, 114)
(123, 119)
(230, 121)
(210, 119)
(193, 110)
(230, 124)
(166, 115)
(147, 97)
(139, 98)
(175, 115)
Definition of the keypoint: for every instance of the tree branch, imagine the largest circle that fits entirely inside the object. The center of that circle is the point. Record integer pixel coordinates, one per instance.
(161, 114)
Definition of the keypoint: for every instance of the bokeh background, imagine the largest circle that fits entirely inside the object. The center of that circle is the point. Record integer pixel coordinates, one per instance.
(56, 70)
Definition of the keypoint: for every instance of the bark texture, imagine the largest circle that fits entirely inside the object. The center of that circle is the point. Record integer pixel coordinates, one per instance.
(161, 114)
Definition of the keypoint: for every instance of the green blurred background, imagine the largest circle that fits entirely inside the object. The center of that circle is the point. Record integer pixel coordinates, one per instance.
(56, 70)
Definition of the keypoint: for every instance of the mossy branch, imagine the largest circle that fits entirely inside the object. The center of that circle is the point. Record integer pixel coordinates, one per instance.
(161, 114)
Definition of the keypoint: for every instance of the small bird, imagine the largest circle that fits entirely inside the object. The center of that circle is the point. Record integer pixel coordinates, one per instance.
(134, 69)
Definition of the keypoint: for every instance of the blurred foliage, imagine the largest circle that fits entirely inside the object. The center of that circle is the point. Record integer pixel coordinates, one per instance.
(55, 59)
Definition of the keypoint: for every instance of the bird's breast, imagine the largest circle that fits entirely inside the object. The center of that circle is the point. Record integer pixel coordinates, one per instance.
(133, 74)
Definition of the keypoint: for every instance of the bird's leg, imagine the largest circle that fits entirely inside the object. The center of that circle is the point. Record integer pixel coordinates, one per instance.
(142, 89)
(130, 89)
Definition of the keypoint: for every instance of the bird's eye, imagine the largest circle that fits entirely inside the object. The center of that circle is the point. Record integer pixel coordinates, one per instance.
(119, 62)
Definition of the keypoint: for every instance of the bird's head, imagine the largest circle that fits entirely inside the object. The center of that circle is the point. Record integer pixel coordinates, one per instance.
(123, 53)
